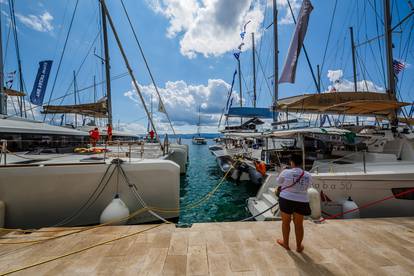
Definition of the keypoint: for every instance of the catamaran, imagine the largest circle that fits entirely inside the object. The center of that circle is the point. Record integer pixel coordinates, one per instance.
(43, 183)
(372, 165)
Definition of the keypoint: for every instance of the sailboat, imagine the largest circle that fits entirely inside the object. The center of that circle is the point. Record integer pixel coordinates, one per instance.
(198, 140)
(51, 188)
(365, 167)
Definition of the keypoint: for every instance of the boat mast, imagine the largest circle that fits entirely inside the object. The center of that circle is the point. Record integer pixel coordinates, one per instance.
(275, 63)
(240, 88)
(354, 69)
(75, 94)
(3, 99)
(22, 104)
(198, 124)
(351, 30)
(128, 66)
(389, 57)
(254, 71)
(107, 64)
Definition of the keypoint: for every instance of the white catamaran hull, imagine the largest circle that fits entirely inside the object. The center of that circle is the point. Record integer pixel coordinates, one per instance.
(38, 196)
(363, 188)
(368, 188)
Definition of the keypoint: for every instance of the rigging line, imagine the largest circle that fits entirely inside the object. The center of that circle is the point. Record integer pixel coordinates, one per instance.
(374, 7)
(379, 46)
(329, 34)
(146, 64)
(7, 46)
(30, 104)
(264, 75)
(363, 71)
(229, 94)
(406, 50)
(63, 53)
(399, 19)
(19, 62)
(60, 29)
(77, 71)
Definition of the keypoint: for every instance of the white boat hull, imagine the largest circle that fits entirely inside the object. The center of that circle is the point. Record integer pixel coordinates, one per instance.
(38, 196)
(363, 188)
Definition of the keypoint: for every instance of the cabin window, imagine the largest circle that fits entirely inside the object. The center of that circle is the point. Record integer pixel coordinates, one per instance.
(406, 196)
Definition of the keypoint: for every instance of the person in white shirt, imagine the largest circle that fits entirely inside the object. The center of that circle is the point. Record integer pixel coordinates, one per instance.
(293, 200)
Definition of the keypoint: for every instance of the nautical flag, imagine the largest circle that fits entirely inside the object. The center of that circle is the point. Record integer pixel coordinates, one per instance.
(289, 70)
(10, 76)
(237, 55)
(161, 107)
(398, 66)
(40, 84)
(242, 34)
(240, 46)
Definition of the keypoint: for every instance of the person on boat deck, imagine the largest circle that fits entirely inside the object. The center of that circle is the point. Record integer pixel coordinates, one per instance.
(293, 200)
(94, 136)
(260, 167)
(151, 134)
(109, 132)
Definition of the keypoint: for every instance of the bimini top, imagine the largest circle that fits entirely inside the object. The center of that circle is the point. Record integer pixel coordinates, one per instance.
(347, 103)
(308, 130)
(250, 112)
(97, 110)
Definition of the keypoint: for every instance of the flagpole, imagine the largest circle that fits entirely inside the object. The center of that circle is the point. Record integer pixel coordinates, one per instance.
(276, 63)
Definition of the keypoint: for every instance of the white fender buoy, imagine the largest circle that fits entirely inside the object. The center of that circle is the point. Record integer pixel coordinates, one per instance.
(115, 211)
(349, 205)
(2, 214)
(314, 203)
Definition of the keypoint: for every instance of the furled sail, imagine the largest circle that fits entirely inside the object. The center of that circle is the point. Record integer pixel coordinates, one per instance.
(289, 69)
(98, 109)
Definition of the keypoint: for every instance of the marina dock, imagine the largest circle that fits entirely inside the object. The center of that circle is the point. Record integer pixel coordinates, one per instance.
(336, 247)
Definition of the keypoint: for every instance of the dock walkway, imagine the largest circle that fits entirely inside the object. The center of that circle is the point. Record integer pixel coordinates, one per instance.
(337, 247)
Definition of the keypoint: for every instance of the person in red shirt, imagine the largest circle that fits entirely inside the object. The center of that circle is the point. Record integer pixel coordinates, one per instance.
(151, 133)
(109, 132)
(94, 136)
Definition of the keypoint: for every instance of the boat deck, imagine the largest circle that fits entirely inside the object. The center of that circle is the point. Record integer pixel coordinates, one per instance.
(340, 247)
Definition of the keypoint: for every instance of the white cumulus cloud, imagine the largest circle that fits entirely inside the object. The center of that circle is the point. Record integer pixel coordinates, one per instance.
(343, 85)
(209, 27)
(40, 23)
(183, 100)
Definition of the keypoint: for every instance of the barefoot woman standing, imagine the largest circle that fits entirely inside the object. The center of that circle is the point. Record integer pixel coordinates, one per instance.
(293, 200)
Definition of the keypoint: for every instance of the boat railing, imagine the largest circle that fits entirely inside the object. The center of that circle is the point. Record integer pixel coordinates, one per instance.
(334, 165)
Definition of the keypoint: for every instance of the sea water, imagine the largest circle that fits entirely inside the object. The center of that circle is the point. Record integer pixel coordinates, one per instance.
(228, 203)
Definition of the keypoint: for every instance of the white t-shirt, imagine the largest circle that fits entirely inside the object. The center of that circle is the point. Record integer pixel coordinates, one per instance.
(299, 191)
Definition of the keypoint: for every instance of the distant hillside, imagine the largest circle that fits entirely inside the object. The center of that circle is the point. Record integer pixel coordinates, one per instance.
(189, 135)
(204, 135)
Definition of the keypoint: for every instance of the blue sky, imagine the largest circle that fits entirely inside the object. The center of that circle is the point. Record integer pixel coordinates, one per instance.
(189, 46)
